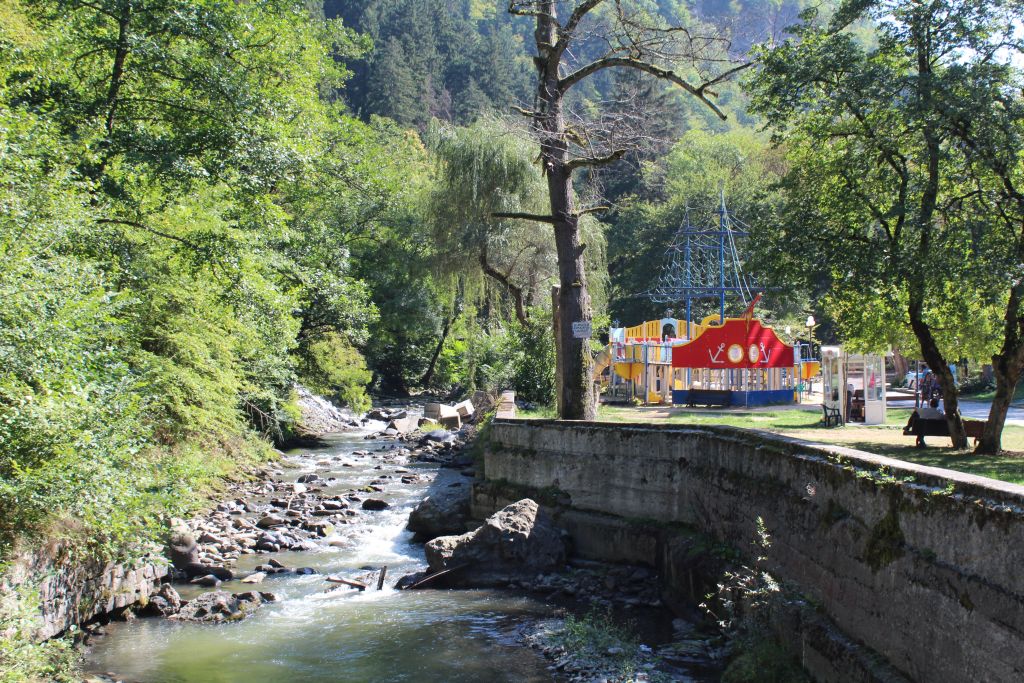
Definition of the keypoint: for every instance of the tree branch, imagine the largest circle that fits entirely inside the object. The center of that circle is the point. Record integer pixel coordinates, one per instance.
(592, 209)
(526, 217)
(565, 34)
(146, 228)
(596, 161)
(498, 276)
(630, 63)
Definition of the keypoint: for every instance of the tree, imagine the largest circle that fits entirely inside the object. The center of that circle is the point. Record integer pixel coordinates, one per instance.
(618, 35)
(484, 169)
(878, 183)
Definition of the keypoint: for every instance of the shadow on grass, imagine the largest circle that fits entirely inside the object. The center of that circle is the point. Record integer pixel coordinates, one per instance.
(1007, 466)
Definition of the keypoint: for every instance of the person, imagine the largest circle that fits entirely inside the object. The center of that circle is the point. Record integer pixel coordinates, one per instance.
(929, 412)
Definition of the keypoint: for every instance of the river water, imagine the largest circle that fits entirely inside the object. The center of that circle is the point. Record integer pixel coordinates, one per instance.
(341, 635)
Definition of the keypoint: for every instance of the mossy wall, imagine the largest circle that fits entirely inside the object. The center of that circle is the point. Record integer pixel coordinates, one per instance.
(921, 565)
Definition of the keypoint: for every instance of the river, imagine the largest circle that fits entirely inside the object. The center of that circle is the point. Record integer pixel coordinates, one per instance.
(341, 635)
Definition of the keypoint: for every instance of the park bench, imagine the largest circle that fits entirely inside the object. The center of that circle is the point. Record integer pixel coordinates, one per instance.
(831, 416)
(709, 397)
(939, 427)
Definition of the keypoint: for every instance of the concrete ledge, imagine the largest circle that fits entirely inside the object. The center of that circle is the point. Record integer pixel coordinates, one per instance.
(923, 566)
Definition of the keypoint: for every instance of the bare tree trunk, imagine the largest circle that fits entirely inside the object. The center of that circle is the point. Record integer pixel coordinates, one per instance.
(576, 401)
(117, 71)
(429, 374)
(506, 282)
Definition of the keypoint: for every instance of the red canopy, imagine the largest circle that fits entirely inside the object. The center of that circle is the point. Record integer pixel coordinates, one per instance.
(737, 343)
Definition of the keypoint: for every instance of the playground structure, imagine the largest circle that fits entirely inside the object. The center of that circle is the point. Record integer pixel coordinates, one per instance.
(741, 360)
(719, 361)
(854, 384)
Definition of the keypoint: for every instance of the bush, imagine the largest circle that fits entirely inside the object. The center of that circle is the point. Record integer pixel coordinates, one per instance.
(530, 350)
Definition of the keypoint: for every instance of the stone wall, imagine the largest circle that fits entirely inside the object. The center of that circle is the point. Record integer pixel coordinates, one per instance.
(921, 565)
(73, 590)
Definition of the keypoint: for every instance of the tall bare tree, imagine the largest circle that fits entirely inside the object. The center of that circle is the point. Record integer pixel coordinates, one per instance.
(574, 45)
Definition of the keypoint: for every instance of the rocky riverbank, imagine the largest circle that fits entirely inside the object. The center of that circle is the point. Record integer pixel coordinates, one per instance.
(229, 563)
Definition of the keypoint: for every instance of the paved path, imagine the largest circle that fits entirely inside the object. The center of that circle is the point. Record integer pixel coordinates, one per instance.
(975, 410)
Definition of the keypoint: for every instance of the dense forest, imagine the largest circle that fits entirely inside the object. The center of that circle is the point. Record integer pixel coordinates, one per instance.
(205, 203)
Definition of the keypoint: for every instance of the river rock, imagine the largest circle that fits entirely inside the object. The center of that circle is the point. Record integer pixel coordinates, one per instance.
(183, 549)
(307, 478)
(375, 504)
(518, 540)
(440, 514)
(271, 520)
(438, 436)
(317, 415)
(218, 606)
(255, 577)
(206, 580)
(163, 603)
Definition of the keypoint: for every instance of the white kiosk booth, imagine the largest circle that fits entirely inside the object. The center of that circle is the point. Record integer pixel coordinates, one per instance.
(854, 384)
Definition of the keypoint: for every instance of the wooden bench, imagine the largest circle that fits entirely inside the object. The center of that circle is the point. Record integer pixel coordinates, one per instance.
(831, 416)
(939, 427)
(709, 397)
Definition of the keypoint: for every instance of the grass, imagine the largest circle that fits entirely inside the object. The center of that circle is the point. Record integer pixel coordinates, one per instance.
(989, 394)
(805, 423)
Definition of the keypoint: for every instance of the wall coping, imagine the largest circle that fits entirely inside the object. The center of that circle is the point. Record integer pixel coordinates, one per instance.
(991, 492)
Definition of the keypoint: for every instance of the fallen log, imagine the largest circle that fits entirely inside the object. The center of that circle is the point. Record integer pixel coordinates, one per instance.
(380, 580)
(436, 575)
(347, 582)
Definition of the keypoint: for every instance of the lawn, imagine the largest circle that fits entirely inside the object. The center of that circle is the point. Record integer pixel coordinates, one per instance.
(805, 423)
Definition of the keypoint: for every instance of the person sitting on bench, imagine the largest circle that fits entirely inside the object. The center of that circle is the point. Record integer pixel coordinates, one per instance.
(929, 412)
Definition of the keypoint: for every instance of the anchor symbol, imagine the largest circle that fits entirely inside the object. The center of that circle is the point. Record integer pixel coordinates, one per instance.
(766, 354)
(714, 356)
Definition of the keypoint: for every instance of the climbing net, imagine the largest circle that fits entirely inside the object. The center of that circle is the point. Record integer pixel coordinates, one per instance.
(702, 263)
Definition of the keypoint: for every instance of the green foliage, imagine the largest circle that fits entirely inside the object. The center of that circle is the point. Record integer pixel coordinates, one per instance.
(763, 660)
(690, 178)
(878, 202)
(530, 351)
(332, 367)
(21, 659)
(179, 196)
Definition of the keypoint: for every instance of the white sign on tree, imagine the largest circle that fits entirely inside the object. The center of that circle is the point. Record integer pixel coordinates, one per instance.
(581, 329)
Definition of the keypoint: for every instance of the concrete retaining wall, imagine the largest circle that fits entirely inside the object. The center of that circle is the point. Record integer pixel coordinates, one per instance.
(921, 565)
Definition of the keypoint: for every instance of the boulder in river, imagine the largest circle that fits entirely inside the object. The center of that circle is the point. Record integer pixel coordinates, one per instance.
(440, 514)
(438, 436)
(375, 504)
(183, 549)
(163, 603)
(218, 606)
(518, 540)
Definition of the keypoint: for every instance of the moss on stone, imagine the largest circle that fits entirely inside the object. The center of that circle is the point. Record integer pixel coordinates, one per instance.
(885, 543)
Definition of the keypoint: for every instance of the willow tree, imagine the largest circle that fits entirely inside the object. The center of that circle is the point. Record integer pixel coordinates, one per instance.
(484, 169)
(591, 38)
